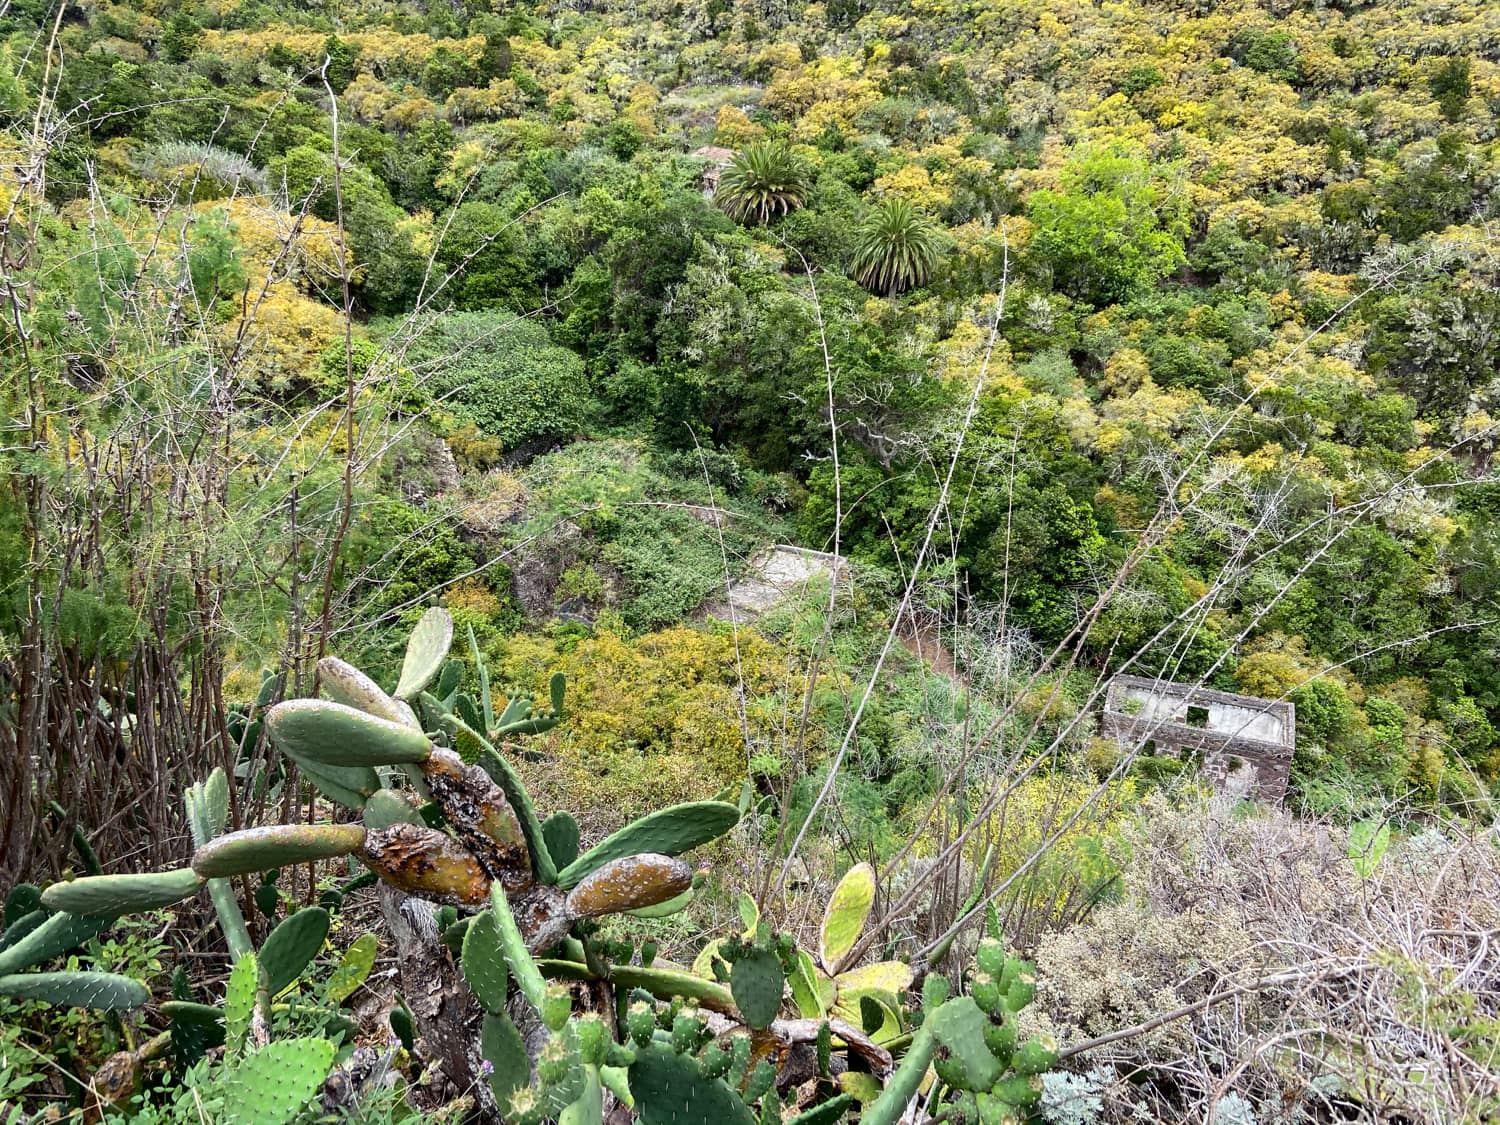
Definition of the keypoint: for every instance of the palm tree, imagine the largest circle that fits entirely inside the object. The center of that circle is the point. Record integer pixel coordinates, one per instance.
(766, 179)
(897, 248)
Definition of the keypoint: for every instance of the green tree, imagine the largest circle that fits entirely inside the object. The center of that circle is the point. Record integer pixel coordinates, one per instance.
(764, 181)
(340, 57)
(1113, 229)
(897, 249)
(504, 375)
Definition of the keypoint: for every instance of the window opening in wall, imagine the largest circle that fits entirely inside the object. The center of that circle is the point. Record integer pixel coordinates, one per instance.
(1197, 717)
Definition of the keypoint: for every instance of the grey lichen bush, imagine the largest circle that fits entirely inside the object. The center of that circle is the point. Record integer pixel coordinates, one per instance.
(1074, 1099)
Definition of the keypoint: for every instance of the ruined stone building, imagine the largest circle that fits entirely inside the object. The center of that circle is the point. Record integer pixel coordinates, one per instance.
(1243, 745)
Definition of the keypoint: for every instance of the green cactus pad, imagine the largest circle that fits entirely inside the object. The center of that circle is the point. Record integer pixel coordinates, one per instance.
(105, 991)
(668, 832)
(353, 969)
(275, 845)
(324, 733)
(484, 963)
(194, 1028)
(24, 899)
(239, 1003)
(291, 945)
(58, 934)
(560, 831)
(670, 1090)
(756, 982)
(21, 927)
(350, 786)
(829, 1113)
(844, 918)
(207, 807)
(629, 883)
(902, 1086)
(386, 807)
(959, 1026)
(513, 945)
(344, 683)
(109, 895)
(271, 1086)
(425, 652)
(501, 1045)
(664, 982)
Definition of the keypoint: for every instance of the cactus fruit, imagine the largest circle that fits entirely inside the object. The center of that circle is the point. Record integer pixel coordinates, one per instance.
(425, 652)
(557, 1006)
(108, 896)
(425, 862)
(346, 684)
(291, 945)
(1019, 1090)
(271, 1086)
(986, 992)
(845, 916)
(106, 991)
(275, 845)
(991, 957)
(1037, 1054)
(322, 733)
(670, 1090)
(669, 832)
(481, 817)
(1000, 1038)
(640, 1022)
(560, 831)
(58, 934)
(484, 963)
(757, 981)
(630, 882)
(762, 1079)
(1021, 991)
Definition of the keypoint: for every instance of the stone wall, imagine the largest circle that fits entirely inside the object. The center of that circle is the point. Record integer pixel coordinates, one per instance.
(1244, 744)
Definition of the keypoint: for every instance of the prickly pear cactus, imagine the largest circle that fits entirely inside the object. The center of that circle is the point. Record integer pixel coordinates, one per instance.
(272, 1085)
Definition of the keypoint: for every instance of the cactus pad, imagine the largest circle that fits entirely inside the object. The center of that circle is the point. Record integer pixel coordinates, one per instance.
(346, 684)
(560, 831)
(756, 981)
(330, 734)
(272, 1085)
(425, 652)
(106, 991)
(386, 807)
(844, 918)
(110, 895)
(350, 786)
(24, 898)
(503, 1048)
(292, 945)
(669, 832)
(484, 963)
(56, 935)
(275, 845)
(481, 817)
(671, 1090)
(959, 1026)
(628, 883)
(425, 862)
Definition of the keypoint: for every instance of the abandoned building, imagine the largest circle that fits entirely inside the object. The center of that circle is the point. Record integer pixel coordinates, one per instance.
(1243, 745)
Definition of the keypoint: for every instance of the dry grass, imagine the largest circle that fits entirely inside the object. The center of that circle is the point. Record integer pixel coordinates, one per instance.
(1324, 996)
